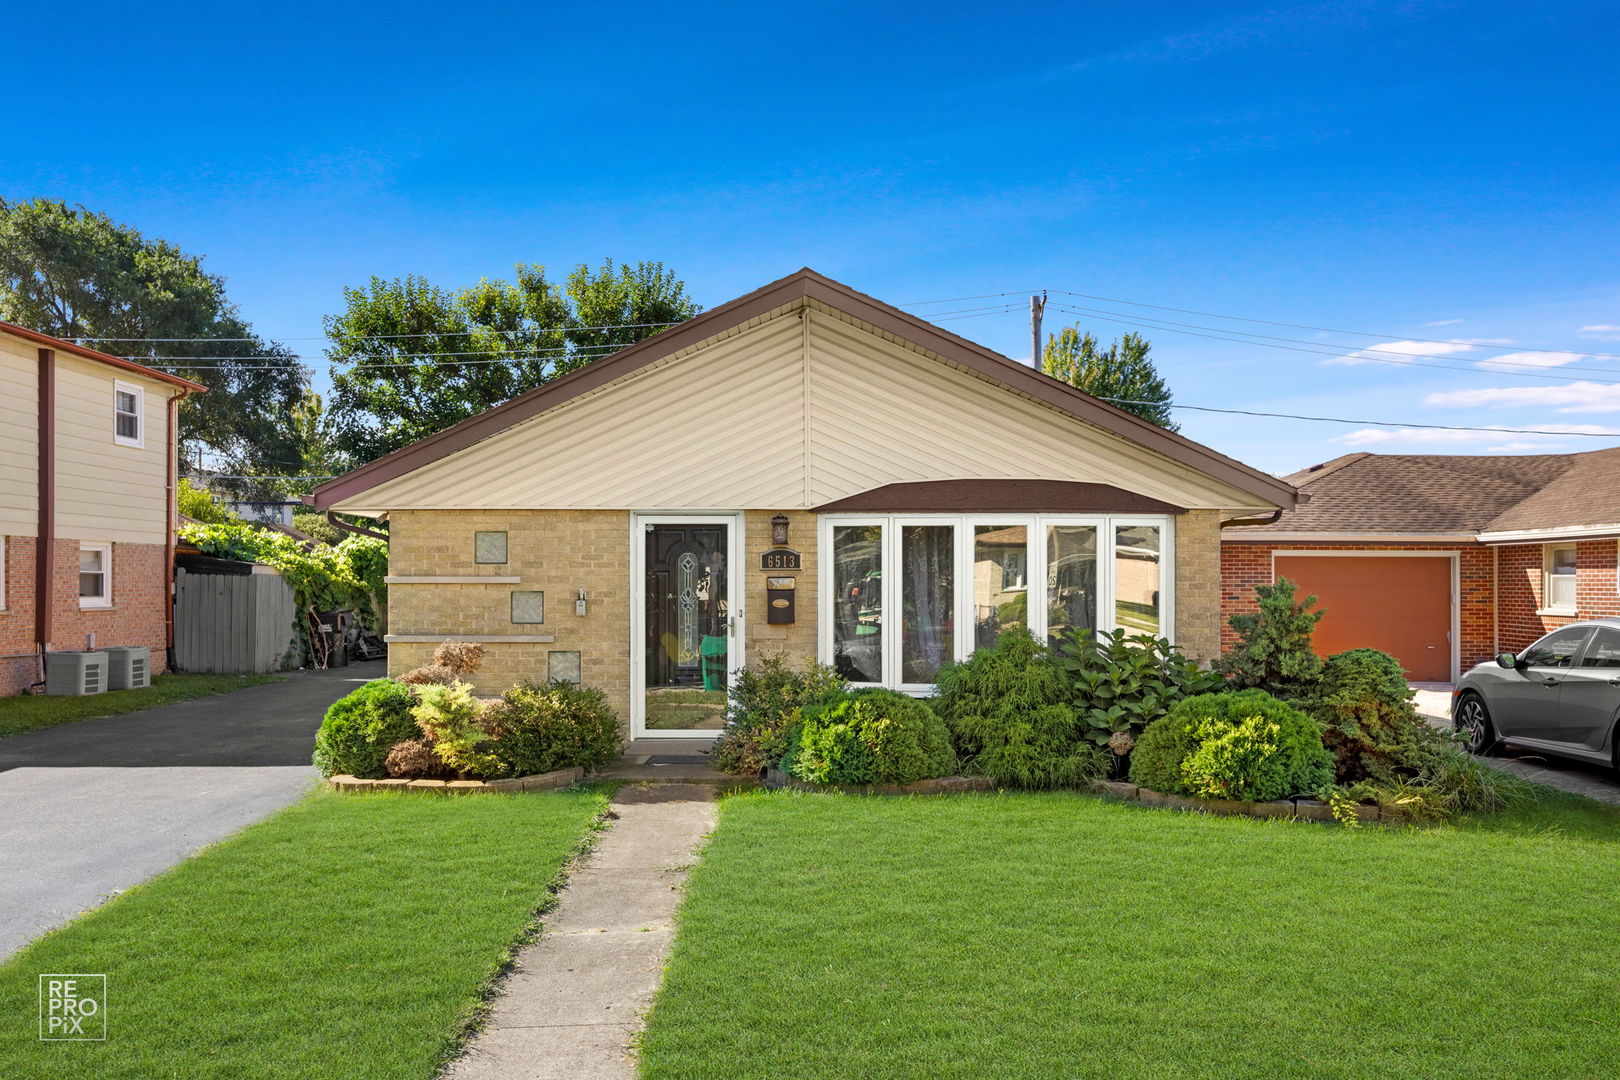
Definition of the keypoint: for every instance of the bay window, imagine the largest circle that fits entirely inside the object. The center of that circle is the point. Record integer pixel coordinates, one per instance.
(951, 585)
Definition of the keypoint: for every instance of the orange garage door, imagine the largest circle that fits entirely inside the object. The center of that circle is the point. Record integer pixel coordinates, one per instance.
(1401, 605)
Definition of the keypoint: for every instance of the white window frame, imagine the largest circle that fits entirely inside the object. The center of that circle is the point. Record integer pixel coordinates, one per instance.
(105, 600)
(139, 441)
(1034, 577)
(1547, 575)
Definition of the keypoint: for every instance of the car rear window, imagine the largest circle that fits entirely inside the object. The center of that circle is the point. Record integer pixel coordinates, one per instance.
(1604, 650)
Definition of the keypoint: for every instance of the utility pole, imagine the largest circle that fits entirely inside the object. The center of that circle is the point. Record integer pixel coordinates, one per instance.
(1037, 308)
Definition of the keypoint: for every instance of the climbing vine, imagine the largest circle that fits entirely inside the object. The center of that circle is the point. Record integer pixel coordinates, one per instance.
(324, 578)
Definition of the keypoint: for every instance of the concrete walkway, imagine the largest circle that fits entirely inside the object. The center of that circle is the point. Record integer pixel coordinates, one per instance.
(91, 808)
(574, 1001)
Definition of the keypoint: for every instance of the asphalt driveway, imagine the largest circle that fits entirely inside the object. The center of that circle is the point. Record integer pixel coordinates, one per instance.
(89, 809)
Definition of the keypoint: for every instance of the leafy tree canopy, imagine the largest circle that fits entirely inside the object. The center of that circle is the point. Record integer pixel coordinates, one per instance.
(73, 273)
(1122, 371)
(411, 358)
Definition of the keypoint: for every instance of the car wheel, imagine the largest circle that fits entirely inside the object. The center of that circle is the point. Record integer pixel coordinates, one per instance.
(1474, 721)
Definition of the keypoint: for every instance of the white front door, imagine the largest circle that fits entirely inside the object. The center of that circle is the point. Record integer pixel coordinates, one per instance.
(686, 623)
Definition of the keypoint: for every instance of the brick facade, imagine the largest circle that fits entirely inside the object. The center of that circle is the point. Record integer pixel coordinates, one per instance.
(1501, 587)
(1198, 574)
(558, 551)
(1520, 584)
(136, 617)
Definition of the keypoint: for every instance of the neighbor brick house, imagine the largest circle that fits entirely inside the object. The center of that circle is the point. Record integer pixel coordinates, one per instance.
(1442, 560)
(803, 470)
(86, 501)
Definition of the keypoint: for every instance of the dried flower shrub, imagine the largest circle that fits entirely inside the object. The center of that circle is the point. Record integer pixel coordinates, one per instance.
(414, 759)
(461, 657)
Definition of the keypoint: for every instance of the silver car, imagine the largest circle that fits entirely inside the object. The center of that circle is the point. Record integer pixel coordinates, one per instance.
(1560, 696)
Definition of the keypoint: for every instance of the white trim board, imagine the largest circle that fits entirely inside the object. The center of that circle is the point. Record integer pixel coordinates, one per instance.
(1455, 633)
(736, 571)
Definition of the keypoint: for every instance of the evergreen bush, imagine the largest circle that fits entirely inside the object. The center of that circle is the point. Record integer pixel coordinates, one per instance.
(361, 727)
(871, 737)
(764, 710)
(1247, 746)
(1010, 711)
(1369, 723)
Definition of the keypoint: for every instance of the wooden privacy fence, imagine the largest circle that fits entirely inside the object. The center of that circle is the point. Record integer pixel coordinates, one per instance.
(234, 623)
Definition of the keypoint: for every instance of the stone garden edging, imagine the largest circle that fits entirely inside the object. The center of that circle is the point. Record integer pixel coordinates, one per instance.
(551, 781)
(1303, 809)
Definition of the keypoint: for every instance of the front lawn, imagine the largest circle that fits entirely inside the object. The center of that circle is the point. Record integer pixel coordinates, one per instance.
(1064, 936)
(30, 713)
(349, 935)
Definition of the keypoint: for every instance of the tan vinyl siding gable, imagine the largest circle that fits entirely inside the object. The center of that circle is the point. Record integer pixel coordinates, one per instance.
(19, 437)
(795, 408)
(104, 490)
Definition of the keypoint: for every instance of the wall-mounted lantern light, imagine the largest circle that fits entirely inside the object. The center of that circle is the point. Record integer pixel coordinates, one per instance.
(779, 534)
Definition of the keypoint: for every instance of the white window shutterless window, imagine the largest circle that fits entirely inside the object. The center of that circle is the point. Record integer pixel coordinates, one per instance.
(902, 594)
(1558, 592)
(128, 401)
(95, 575)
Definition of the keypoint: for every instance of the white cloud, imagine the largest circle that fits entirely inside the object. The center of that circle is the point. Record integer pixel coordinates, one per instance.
(1518, 443)
(1576, 397)
(1602, 330)
(1402, 352)
(1443, 322)
(1533, 359)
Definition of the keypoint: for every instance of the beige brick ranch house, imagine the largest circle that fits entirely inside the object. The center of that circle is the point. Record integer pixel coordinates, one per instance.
(802, 470)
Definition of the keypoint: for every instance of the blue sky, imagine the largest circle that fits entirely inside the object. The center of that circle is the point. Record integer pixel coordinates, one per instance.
(1422, 170)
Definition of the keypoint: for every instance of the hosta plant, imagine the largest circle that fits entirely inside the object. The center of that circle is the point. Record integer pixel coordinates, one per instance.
(1123, 682)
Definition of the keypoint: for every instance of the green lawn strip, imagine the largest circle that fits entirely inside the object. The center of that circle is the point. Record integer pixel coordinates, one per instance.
(30, 713)
(348, 935)
(1062, 935)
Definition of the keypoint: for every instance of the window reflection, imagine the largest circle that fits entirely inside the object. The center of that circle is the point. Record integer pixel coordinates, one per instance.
(927, 592)
(1071, 580)
(857, 609)
(1000, 581)
(1136, 578)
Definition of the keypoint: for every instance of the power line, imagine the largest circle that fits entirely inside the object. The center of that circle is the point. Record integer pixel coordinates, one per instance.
(1331, 330)
(1148, 324)
(441, 333)
(1370, 423)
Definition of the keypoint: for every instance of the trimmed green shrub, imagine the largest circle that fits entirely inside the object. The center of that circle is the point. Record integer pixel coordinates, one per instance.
(871, 737)
(1247, 746)
(451, 719)
(361, 727)
(1368, 721)
(764, 709)
(1010, 712)
(553, 726)
(1122, 682)
(1274, 647)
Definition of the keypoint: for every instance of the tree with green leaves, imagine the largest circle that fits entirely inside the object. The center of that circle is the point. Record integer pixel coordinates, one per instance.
(73, 273)
(1274, 650)
(1121, 373)
(411, 358)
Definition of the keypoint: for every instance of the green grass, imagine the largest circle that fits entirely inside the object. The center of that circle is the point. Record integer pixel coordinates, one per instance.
(347, 936)
(1065, 936)
(29, 713)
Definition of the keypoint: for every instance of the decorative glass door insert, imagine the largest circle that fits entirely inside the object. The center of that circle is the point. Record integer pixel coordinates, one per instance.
(686, 651)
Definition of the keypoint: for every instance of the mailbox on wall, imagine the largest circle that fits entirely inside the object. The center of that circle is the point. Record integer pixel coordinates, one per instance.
(779, 592)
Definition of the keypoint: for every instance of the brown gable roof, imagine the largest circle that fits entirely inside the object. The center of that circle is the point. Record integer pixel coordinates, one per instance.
(100, 357)
(807, 284)
(1586, 491)
(958, 496)
(1427, 494)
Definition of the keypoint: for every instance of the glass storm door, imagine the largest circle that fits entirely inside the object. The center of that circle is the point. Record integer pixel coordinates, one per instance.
(686, 626)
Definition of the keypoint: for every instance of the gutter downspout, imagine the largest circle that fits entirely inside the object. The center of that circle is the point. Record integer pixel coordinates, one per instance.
(45, 531)
(171, 514)
(332, 520)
